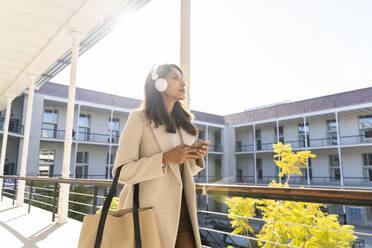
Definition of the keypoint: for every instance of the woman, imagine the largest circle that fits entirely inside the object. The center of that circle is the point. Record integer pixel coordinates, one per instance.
(155, 148)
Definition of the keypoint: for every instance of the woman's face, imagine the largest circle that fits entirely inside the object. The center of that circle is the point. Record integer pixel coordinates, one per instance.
(176, 85)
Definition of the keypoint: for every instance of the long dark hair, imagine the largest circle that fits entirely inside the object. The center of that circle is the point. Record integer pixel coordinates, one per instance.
(155, 108)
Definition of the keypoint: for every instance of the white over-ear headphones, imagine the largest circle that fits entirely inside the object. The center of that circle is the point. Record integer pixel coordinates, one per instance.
(161, 84)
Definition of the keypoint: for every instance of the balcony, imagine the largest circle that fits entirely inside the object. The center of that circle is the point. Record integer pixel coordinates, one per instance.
(14, 127)
(356, 182)
(34, 223)
(312, 143)
(83, 137)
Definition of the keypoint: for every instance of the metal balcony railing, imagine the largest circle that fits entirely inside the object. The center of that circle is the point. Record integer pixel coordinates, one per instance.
(298, 180)
(214, 226)
(19, 128)
(89, 137)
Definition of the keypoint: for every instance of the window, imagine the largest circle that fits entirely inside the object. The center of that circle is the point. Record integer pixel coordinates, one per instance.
(201, 134)
(281, 135)
(365, 122)
(331, 132)
(334, 167)
(81, 170)
(115, 128)
(239, 175)
(218, 169)
(46, 162)
(49, 126)
(258, 139)
(301, 134)
(110, 164)
(217, 140)
(365, 127)
(259, 168)
(367, 167)
(84, 127)
(238, 146)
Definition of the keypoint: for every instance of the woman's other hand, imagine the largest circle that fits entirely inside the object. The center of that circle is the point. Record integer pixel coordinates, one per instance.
(202, 151)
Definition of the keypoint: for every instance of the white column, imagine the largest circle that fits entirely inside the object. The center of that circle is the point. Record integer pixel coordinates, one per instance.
(185, 47)
(339, 151)
(26, 139)
(206, 156)
(254, 154)
(277, 141)
(109, 158)
(5, 138)
(307, 159)
(76, 142)
(65, 188)
(206, 162)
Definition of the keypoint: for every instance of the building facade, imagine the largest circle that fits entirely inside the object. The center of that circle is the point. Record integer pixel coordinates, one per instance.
(337, 128)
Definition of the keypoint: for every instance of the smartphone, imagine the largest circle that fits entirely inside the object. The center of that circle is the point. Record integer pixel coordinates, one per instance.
(198, 143)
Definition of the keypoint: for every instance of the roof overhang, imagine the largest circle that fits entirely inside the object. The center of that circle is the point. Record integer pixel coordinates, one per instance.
(35, 36)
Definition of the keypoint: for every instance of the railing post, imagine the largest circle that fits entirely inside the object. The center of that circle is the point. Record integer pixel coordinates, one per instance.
(54, 200)
(30, 197)
(15, 191)
(95, 199)
(2, 190)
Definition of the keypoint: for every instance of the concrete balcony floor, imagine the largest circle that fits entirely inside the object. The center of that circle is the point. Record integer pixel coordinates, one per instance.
(36, 229)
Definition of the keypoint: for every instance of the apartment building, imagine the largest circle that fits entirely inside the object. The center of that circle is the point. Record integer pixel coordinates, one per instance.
(337, 128)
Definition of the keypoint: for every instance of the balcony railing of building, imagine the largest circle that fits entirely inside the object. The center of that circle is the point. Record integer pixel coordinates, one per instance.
(214, 226)
(298, 144)
(297, 180)
(13, 127)
(88, 137)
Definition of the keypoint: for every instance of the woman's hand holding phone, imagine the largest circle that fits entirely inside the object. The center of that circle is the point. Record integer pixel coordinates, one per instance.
(181, 153)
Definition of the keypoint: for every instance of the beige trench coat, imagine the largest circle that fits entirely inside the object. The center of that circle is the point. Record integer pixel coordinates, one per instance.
(141, 147)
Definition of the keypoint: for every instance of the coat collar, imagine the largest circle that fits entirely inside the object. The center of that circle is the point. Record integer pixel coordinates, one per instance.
(164, 141)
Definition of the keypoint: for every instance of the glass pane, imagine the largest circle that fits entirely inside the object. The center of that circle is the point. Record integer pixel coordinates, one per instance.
(79, 172)
(44, 170)
(49, 130)
(337, 174)
(79, 157)
(84, 133)
(50, 116)
(365, 122)
(331, 125)
(84, 120)
(115, 123)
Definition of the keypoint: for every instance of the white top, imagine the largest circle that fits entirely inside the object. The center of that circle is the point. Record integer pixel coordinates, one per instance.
(176, 140)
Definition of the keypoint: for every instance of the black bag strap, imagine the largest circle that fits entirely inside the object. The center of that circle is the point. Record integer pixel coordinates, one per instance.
(106, 206)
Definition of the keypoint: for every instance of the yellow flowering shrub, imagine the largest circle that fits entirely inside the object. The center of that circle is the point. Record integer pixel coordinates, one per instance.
(302, 213)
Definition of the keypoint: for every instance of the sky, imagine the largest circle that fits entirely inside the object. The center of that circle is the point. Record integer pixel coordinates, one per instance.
(244, 54)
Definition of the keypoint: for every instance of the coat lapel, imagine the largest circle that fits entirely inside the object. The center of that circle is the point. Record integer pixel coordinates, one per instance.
(164, 141)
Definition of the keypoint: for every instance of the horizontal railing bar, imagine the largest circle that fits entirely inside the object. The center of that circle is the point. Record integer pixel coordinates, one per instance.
(12, 189)
(6, 193)
(245, 237)
(40, 202)
(77, 193)
(46, 196)
(77, 212)
(80, 203)
(319, 195)
(64, 180)
(282, 222)
(48, 189)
